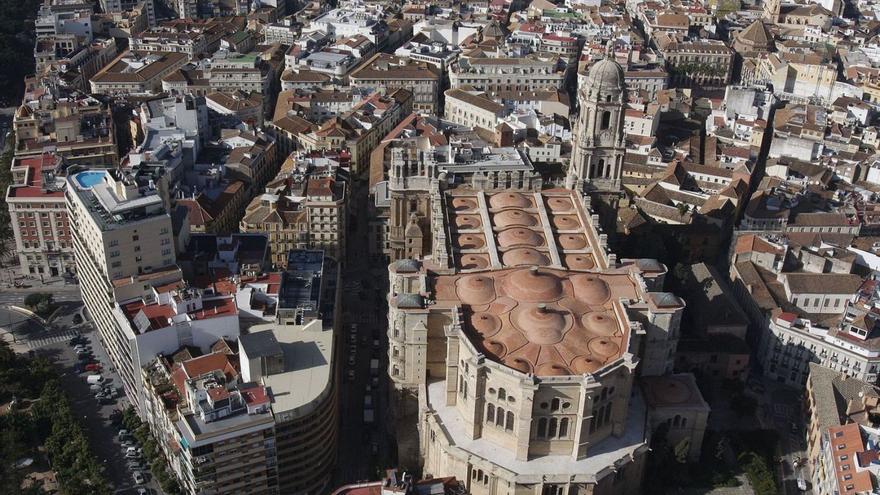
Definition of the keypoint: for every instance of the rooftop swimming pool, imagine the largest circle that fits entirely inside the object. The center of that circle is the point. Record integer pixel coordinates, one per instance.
(88, 179)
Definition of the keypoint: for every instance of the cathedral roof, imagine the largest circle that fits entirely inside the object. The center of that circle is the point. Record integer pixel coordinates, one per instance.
(606, 74)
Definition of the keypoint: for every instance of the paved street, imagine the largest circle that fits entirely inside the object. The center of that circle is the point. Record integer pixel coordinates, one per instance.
(102, 433)
(363, 448)
(781, 409)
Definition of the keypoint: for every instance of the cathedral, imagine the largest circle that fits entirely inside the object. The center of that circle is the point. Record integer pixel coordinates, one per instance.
(599, 148)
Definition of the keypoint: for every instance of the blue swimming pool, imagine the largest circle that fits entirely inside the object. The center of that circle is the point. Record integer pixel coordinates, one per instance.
(89, 178)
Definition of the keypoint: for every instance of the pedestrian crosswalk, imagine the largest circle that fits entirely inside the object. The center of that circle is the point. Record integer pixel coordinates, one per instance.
(51, 338)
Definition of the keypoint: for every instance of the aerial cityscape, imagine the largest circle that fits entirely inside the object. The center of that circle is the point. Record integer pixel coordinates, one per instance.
(488, 247)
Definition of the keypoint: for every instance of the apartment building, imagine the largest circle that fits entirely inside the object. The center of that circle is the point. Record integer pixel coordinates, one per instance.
(229, 71)
(136, 72)
(472, 109)
(120, 229)
(216, 430)
(38, 216)
(704, 62)
(304, 207)
(530, 73)
(304, 399)
(73, 126)
(360, 129)
(192, 43)
(387, 73)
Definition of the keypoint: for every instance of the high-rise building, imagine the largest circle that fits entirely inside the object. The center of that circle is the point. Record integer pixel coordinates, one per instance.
(597, 157)
(120, 230)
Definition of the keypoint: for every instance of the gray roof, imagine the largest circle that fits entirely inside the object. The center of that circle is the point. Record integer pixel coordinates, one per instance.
(832, 391)
(259, 344)
(406, 265)
(408, 301)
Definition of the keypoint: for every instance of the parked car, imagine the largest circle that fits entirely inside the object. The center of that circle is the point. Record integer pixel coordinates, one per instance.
(139, 477)
(123, 434)
(76, 340)
(132, 455)
(93, 367)
(79, 368)
(94, 379)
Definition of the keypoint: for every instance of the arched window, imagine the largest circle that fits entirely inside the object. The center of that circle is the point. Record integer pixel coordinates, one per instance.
(606, 120)
(502, 394)
(508, 423)
(490, 413)
(608, 99)
(563, 428)
(542, 427)
(677, 421)
(499, 417)
(554, 405)
(684, 422)
(553, 426)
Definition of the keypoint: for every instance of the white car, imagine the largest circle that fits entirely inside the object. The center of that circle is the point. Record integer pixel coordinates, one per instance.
(139, 478)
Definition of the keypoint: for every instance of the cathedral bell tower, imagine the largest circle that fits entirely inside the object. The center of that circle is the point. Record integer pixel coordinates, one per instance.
(597, 157)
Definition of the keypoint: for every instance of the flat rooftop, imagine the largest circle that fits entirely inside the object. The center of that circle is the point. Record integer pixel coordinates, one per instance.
(308, 370)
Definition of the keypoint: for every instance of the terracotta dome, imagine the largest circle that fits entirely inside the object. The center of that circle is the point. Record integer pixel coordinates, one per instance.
(540, 325)
(519, 236)
(566, 222)
(552, 369)
(603, 347)
(475, 289)
(591, 289)
(559, 204)
(599, 323)
(572, 241)
(473, 262)
(508, 218)
(485, 324)
(532, 285)
(464, 204)
(470, 241)
(508, 200)
(525, 257)
(520, 364)
(466, 222)
(585, 364)
(495, 348)
(579, 261)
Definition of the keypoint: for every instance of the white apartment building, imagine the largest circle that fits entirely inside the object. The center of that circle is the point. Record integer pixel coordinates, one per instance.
(492, 75)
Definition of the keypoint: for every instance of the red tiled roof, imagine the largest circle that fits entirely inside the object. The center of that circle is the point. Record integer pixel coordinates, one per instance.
(33, 183)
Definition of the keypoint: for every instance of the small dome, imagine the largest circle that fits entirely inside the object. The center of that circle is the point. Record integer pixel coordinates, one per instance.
(467, 222)
(473, 262)
(508, 200)
(548, 369)
(572, 241)
(579, 261)
(559, 204)
(485, 324)
(509, 218)
(606, 75)
(495, 348)
(460, 204)
(525, 257)
(519, 236)
(475, 289)
(585, 364)
(470, 241)
(540, 325)
(565, 222)
(600, 323)
(591, 289)
(520, 364)
(532, 285)
(603, 347)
